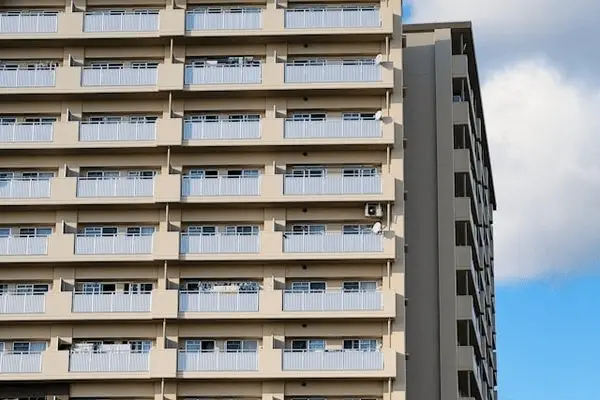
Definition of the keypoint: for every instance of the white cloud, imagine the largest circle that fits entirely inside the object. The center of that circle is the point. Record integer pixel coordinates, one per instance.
(544, 135)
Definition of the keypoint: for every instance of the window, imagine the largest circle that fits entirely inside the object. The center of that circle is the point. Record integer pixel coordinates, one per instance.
(358, 229)
(307, 229)
(142, 119)
(140, 346)
(202, 118)
(141, 174)
(140, 231)
(243, 117)
(308, 117)
(203, 173)
(137, 288)
(102, 174)
(309, 286)
(239, 346)
(30, 288)
(4, 232)
(308, 172)
(192, 345)
(360, 286)
(233, 61)
(2, 347)
(3, 288)
(246, 230)
(106, 119)
(202, 230)
(360, 344)
(359, 171)
(6, 176)
(242, 173)
(209, 286)
(308, 344)
(144, 65)
(8, 120)
(29, 347)
(37, 175)
(91, 231)
(40, 120)
(358, 116)
(35, 232)
(98, 288)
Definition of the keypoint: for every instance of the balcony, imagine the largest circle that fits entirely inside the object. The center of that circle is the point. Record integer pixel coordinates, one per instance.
(222, 74)
(332, 128)
(331, 242)
(20, 363)
(28, 22)
(223, 19)
(327, 185)
(219, 243)
(28, 77)
(221, 186)
(121, 21)
(23, 246)
(332, 17)
(217, 361)
(22, 303)
(25, 188)
(332, 71)
(111, 302)
(116, 131)
(113, 361)
(113, 244)
(23, 132)
(218, 301)
(302, 360)
(119, 76)
(115, 187)
(332, 300)
(221, 130)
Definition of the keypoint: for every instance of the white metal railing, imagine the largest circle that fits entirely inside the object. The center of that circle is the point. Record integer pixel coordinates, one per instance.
(332, 128)
(217, 361)
(23, 246)
(22, 303)
(332, 71)
(336, 184)
(113, 361)
(26, 132)
(114, 302)
(29, 22)
(221, 130)
(219, 243)
(220, 186)
(331, 242)
(230, 19)
(25, 188)
(195, 301)
(332, 17)
(90, 131)
(113, 244)
(128, 21)
(222, 74)
(20, 363)
(332, 300)
(119, 76)
(332, 360)
(27, 77)
(115, 187)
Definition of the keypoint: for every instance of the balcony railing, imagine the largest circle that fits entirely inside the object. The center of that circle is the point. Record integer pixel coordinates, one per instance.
(113, 361)
(332, 360)
(128, 21)
(116, 131)
(119, 76)
(115, 187)
(22, 303)
(219, 243)
(331, 242)
(194, 301)
(332, 71)
(220, 186)
(294, 185)
(111, 302)
(25, 188)
(221, 130)
(117, 244)
(24, 77)
(334, 17)
(23, 246)
(332, 128)
(216, 19)
(222, 74)
(20, 363)
(332, 300)
(29, 22)
(26, 132)
(217, 361)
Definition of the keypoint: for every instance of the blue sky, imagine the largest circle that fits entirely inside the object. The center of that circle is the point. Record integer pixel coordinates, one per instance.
(541, 96)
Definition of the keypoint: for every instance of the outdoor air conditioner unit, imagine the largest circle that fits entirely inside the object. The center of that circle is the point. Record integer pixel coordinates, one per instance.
(374, 210)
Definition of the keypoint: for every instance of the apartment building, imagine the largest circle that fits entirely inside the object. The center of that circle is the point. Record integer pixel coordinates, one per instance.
(206, 201)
